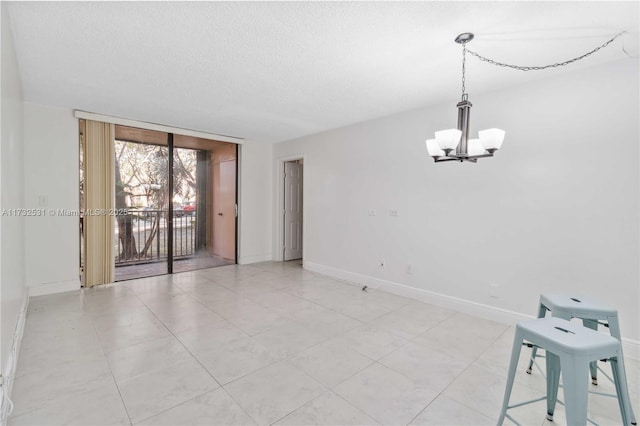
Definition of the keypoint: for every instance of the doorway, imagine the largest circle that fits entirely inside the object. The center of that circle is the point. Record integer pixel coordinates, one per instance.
(293, 211)
(176, 199)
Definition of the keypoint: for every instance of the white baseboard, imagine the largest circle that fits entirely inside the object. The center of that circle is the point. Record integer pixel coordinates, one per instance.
(630, 347)
(51, 288)
(245, 260)
(12, 361)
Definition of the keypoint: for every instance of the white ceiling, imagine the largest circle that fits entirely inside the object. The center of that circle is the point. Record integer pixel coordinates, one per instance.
(270, 71)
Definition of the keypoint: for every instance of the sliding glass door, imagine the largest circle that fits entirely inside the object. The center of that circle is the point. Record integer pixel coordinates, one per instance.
(175, 199)
(142, 230)
(205, 224)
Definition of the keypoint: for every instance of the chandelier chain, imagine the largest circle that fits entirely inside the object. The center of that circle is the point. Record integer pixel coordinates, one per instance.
(534, 68)
(464, 61)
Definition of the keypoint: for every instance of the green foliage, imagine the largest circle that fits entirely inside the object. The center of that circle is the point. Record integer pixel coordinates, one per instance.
(142, 174)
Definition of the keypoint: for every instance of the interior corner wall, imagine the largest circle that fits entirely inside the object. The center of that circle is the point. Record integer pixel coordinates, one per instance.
(255, 200)
(557, 209)
(12, 281)
(51, 139)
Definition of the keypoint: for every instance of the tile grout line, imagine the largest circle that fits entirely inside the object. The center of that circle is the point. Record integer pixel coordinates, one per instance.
(182, 344)
(140, 343)
(255, 371)
(287, 359)
(441, 393)
(220, 386)
(324, 388)
(377, 361)
(113, 377)
(175, 406)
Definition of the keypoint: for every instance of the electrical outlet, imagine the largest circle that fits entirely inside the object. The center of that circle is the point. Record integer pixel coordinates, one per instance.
(394, 212)
(493, 291)
(382, 263)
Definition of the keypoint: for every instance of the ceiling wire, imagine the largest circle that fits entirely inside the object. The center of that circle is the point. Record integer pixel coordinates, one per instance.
(557, 64)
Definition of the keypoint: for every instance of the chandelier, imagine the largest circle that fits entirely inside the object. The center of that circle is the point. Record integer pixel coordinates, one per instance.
(454, 144)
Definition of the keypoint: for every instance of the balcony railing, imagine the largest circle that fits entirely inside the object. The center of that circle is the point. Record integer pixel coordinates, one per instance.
(145, 236)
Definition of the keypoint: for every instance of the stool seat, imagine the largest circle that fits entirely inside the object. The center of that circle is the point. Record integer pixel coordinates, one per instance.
(560, 336)
(592, 313)
(570, 348)
(577, 306)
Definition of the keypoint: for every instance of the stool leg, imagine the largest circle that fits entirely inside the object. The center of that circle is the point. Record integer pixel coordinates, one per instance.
(614, 329)
(620, 379)
(576, 384)
(513, 364)
(553, 380)
(593, 366)
(542, 310)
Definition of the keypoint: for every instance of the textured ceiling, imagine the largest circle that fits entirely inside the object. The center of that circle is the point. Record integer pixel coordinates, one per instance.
(272, 71)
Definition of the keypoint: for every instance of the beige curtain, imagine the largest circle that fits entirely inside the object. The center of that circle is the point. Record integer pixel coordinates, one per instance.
(99, 163)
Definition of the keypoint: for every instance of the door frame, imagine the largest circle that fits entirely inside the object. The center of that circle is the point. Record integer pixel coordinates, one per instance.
(237, 206)
(279, 208)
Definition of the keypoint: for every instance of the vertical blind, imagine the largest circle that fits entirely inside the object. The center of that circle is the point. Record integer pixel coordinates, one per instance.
(99, 164)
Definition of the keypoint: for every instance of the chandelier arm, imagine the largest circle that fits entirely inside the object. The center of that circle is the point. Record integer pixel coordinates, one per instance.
(454, 157)
(441, 159)
(543, 67)
(473, 157)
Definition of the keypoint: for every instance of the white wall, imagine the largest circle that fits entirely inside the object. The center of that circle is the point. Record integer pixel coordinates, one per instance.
(51, 171)
(12, 282)
(555, 210)
(255, 202)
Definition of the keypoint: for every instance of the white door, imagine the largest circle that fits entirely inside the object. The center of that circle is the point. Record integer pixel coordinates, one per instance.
(292, 210)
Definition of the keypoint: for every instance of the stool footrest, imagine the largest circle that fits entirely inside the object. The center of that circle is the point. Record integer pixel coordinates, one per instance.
(612, 395)
(520, 404)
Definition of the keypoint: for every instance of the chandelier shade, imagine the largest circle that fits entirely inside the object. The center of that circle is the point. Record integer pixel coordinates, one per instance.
(434, 149)
(448, 139)
(491, 139)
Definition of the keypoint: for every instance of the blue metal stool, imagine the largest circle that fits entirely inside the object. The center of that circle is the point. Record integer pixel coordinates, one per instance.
(570, 348)
(591, 312)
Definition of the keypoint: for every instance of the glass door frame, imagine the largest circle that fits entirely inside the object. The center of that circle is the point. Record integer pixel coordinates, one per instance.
(170, 204)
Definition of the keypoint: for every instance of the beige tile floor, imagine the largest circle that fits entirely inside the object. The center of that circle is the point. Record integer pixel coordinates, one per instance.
(267, 343)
